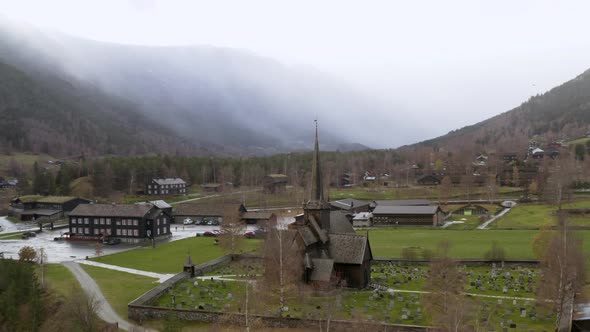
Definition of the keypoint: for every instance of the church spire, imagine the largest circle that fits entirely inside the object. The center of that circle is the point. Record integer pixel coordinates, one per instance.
(317, 190)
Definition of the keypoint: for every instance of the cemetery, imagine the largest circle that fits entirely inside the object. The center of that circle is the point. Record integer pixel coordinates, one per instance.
(500, 297)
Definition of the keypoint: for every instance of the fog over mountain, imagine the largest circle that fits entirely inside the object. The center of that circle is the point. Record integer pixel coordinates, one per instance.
(222, 98)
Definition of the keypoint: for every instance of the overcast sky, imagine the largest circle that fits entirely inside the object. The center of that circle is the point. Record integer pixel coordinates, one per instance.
(444, 64)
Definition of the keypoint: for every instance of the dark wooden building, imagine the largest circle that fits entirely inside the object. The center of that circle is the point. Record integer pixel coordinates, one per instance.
(275, 183)
(408, 215)
(471, 210)
(212, 187)
(349, 204)
(33, 207)
(128, 222)
(166, 186)
(205, 211)
(428, 180)
(260, 218)
(333, 254)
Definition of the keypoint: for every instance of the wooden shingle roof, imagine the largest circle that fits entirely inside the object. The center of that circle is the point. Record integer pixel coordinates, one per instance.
(348, 248)
(111, 210)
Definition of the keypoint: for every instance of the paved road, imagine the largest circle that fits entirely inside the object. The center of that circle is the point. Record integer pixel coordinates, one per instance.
(105, 311)
(496, 217)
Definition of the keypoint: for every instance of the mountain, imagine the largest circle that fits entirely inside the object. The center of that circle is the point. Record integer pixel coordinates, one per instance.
(209, 99)
(561, 113)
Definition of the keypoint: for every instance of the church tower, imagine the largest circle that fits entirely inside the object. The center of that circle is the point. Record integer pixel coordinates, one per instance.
(316, 206)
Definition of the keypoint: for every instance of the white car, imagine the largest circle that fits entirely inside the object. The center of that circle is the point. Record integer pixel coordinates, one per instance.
(187, 221)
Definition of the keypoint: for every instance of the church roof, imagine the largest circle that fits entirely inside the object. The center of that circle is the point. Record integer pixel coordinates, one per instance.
(348, 248)
(339, 223)
(322, 269)
(319, 232)
(307, 235)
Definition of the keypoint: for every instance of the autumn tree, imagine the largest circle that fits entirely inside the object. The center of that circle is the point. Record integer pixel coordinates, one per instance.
(444, 300)
(563, 270)
(27, 254)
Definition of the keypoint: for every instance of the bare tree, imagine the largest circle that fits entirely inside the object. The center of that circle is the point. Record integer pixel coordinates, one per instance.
(563, 270)
(41, 260)
(445, 301)
(232, 230)
(444, 190)
(491, 187)
(558, 186)
(283, 268)
(98, 249)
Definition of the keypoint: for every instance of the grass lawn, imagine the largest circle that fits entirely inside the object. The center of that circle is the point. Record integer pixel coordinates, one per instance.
(533, 216)
(59, 279)
(464, 243)
(170, 257)
(376, 193)
(119, 288)
(11, 236)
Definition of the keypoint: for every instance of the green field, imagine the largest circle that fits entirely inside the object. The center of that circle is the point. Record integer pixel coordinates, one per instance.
(464, 243)
(582, 140)
(170, 257)
(377, 193)
(119, 288)
(536, 215)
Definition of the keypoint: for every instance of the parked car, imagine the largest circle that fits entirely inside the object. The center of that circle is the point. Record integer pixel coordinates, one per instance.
(249, 235)
(188, 221)
(111, 241)
(27, 235)
(210, 233)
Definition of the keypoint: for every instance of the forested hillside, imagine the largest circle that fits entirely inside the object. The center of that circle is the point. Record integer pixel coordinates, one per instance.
(50, 114)
(561, 113)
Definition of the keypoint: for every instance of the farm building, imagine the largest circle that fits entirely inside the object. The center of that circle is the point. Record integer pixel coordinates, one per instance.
(205, 212)
(350, 205)
(471, 210)
(408, 215)
(33, 207)
(428, 180)
(212, 187)
(275, 183)
(362, 219)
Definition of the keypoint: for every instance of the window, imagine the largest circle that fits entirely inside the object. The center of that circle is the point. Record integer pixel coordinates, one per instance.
(118, 222)
(136, 222)
(102, 221)
(108, 221)
(118, 231)
(136, 232)
(108, 231)
(86, 230)
(86, 221)
(149, 192)
(158, 231)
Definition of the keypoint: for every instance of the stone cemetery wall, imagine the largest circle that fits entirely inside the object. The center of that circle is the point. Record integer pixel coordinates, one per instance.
(466, 262)
(142, 313)
(155, 293)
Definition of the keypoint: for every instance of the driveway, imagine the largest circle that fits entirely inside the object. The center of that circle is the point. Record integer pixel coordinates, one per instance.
(105, 311)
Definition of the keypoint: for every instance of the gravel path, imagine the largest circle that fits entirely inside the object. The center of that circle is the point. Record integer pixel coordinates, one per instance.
(216, 195)
(160, 276)
(499, 215)
(105, 311)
